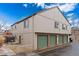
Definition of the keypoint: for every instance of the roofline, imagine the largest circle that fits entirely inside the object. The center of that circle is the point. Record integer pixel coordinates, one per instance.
(40, 12)
(23, 19)
(46, 9)
(63, 15)
(32, 15)
(58, 9)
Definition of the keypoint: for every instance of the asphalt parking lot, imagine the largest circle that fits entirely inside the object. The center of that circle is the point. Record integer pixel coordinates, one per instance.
(72, 50)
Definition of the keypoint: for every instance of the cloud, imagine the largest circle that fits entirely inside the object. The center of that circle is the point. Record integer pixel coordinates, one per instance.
(40, 4)
(43, 5)
(25, 5)
(63, 7)
(67, 7)
(73, 22)
(54, 5)
(76, 23)
(70, 20)
(46, 6)
(70, 14)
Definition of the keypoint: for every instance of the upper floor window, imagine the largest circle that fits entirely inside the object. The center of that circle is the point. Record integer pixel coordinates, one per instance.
(15, 26)
(11, 27)
(26, 23)
(56, 25)
(64, 27)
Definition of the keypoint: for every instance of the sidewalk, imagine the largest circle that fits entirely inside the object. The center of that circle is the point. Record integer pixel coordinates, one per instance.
(20, 49)
(5, 51)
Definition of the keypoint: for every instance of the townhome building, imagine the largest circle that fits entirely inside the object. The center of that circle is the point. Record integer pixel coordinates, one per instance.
(46, 29)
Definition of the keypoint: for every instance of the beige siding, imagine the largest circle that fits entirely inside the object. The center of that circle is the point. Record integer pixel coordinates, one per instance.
(30, 29)
(75, 34)
(35, 41)
(44, 22)
(54, 14)
(41, 22)
(28, 39)
(20, 27)
(25, 33)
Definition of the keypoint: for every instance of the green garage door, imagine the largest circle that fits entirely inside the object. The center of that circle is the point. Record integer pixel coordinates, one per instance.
(65, 39)
(59, 39)
(42, 41)
(52, 40)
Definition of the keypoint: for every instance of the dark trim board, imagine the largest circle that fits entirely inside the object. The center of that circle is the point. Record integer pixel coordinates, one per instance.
(51, 33)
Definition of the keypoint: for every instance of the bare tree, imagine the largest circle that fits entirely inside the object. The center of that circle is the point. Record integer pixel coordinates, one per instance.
(3, 23)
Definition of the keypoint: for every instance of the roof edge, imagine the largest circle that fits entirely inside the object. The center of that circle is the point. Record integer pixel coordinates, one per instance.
(39, 12)
(63, 15)
(32, 15)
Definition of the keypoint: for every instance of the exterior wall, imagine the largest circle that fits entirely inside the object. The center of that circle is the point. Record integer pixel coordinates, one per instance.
(20, 27)
(44, 22)
(35, 41)
(25, 33)
(28, 40)
(41, 23)
(75, 34)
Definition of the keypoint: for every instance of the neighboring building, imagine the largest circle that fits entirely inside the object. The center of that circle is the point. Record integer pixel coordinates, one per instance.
(45, 29)
(75, 34)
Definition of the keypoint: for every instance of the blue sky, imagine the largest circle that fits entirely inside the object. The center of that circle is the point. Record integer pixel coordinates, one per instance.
(13, 12)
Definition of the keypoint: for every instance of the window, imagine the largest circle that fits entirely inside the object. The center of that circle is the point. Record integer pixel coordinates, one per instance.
(26, 23)
(12, 27)
(64, 27)
(15, 26)
(56, 24)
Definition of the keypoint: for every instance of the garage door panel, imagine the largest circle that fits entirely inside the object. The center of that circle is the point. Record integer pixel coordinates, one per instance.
(65, 39)
(60, 40)
(42, 41)
(52, 40)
